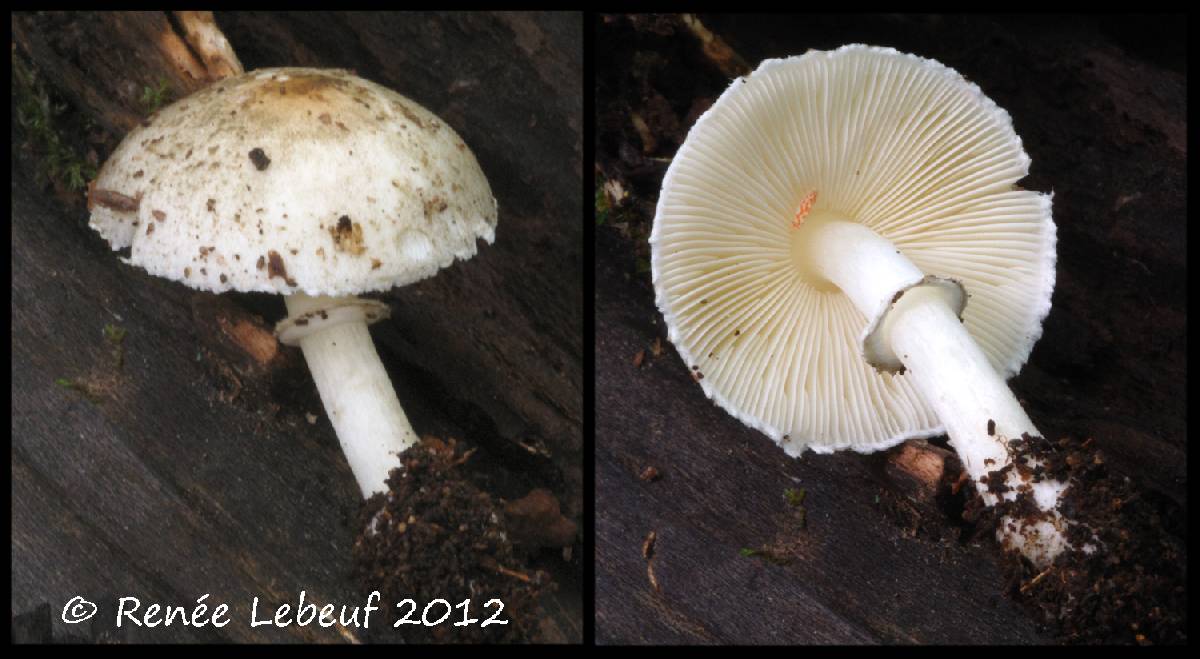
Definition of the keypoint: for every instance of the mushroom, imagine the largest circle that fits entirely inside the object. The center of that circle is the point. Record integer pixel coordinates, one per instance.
(314, 184)
(816, 243)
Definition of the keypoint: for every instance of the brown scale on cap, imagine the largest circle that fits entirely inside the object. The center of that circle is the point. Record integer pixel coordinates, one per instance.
(434, 205)
(275, 268)
(403, 109)
(347, 236)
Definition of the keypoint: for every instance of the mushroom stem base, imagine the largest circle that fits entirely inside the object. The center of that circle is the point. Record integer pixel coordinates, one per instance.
(358, 396)
(979, 411)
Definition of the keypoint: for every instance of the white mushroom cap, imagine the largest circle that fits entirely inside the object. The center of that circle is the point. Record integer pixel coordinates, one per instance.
(293, 180)
(901, 144)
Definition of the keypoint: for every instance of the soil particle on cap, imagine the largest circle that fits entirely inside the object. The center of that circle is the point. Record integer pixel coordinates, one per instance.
(991, 427)
(113, 200)
(1133, 589)
(259, 158)
(435, 535)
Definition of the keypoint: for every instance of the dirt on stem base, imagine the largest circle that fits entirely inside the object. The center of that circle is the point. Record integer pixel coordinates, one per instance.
(1132, 589)
(435, 535)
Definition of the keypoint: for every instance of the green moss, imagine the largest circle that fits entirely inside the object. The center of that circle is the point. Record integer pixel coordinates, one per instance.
(113, 333)
(40, 116)
(155, 97)
(774, 556)
(602, 206)
(794, 497)
(83, 387)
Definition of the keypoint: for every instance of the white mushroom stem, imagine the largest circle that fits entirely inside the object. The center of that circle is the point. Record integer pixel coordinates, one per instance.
(948, 368)
(354, 386)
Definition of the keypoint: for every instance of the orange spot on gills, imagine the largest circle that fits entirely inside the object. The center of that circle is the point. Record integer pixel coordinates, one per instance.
(806, 205)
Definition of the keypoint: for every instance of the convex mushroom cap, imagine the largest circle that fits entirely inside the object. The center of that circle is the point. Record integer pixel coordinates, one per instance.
(899, 144)
(314, 184)
(293, 180)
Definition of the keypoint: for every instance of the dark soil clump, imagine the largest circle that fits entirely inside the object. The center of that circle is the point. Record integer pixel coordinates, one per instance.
(435, 535)
(1131, 590)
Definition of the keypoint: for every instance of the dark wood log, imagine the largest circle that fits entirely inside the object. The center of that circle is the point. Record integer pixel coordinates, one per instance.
(1100, 106)
(104, 61)
(195, 457)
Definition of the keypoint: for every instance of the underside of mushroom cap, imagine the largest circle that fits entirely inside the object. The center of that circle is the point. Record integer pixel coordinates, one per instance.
(901, 144)
(293, 180)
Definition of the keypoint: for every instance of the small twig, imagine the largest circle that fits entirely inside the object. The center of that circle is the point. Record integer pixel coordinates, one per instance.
(962, 480)
(513, 573)
(201, 32)
(1033, 581)
(715, 49)
(650, 575)
(648, 554)
(463, 458)
(648, 545)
